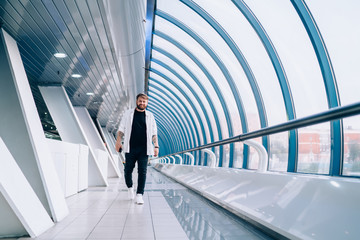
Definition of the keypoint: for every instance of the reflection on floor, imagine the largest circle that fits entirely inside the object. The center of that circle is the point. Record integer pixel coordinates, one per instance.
(170, 212)
(200, 218)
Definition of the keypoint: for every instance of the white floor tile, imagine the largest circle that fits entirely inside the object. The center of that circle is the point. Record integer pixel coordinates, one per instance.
(106, 213)
(106, 233)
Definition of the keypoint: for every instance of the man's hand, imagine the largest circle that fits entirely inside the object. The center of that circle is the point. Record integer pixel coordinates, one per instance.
(156, 145)
(118, 145)
(156, 152)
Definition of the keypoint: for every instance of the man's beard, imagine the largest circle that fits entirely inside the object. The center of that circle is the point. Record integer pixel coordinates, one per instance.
(141, 106)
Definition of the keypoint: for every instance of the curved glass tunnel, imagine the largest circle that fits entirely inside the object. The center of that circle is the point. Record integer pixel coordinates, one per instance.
(256, 105)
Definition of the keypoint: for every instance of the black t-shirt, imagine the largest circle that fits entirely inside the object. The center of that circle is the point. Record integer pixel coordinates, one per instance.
(138, 131)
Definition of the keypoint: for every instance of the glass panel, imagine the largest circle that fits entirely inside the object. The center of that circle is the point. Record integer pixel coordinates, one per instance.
(254, 156)
(222, 50)
(188, 93)
(314, 149)
(295, 50)
(186, 60)
(157, 41)
(226, 154)
(253, 159)
(174, 128)
(278, 157)
(191, 82)
(202, 158)
(199, 74)
(351, 146)
(249, 43)
(217, 154)
(238, 155)
(204, 57)
(174, 143)
(164, 95)
(339, 26)
(186, 104)
(252, 48)
(165, 99)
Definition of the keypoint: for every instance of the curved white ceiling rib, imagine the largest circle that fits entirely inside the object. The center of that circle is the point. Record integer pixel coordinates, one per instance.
(126, 21)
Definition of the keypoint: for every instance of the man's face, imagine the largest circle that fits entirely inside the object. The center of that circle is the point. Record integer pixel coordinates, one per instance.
(141, 103)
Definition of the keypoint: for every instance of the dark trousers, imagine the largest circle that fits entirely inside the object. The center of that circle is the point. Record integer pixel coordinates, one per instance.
(139, 156)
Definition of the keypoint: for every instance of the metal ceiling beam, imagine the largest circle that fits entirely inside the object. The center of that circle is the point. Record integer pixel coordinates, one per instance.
(150, 23)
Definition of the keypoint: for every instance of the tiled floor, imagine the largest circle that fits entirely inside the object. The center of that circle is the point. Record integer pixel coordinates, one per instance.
(170, 212)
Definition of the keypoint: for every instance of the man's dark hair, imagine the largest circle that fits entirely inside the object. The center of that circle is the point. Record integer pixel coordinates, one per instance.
(142, 95)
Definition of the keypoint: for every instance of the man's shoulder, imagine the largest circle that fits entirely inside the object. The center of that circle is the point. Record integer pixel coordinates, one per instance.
(149, 113)
(128, 111)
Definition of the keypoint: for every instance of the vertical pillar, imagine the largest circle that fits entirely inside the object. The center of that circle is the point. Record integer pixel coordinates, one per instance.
(70, 129)
(21, 211)
(191, 158)
(110, 143)
(21, 130)
(212, 157)
(95, 141)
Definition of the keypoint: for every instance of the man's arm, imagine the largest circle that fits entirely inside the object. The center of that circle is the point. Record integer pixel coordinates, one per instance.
(156, 145)
(119, 137)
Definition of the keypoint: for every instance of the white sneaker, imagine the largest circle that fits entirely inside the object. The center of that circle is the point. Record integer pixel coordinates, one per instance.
(139, 199)
(131, 193)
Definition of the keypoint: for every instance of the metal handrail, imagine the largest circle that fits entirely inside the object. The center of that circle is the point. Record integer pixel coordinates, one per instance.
(331, 114)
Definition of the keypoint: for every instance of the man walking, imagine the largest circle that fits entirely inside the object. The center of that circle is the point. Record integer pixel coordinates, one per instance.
(138, 127)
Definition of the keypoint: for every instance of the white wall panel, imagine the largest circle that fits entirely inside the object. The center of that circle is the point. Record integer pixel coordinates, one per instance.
(95, 140)
(102, 158)
(70, 128)
(83, 167)
(110, 146)
(21, 211)
(71, 165)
